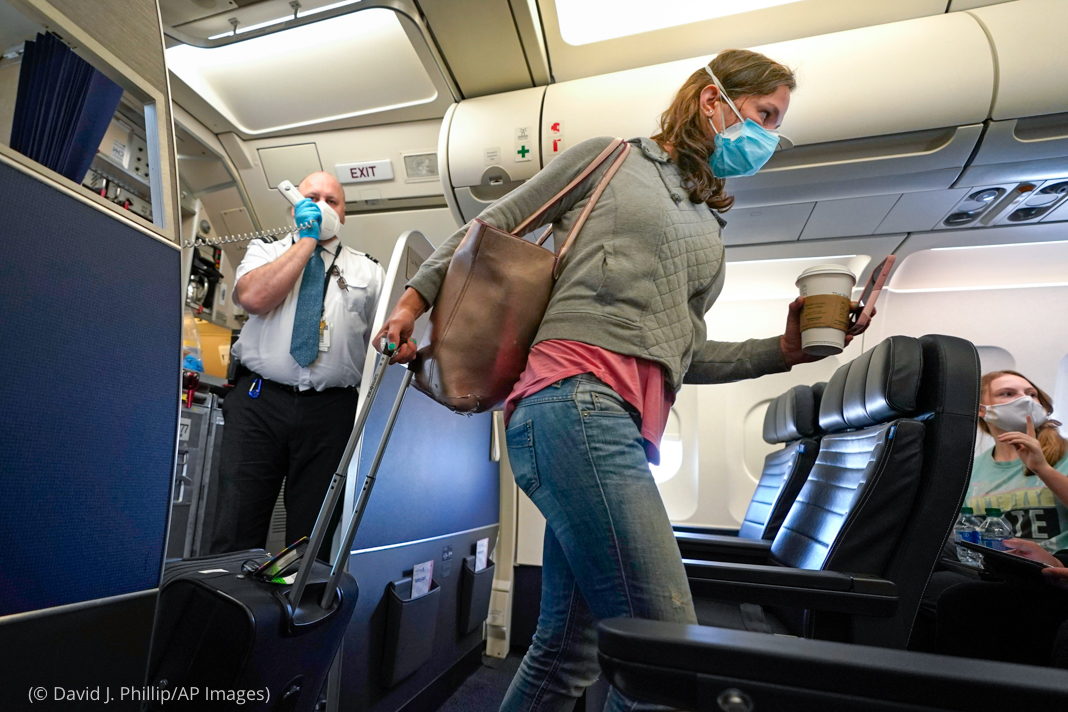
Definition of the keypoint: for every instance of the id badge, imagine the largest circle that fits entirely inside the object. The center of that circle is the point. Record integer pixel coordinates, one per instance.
(324, 335)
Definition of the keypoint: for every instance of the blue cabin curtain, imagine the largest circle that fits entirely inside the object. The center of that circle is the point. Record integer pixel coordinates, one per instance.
(62, 109)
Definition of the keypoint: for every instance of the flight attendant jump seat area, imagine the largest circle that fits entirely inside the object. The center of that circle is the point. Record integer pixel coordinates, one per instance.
(91, 342)
(92, 339)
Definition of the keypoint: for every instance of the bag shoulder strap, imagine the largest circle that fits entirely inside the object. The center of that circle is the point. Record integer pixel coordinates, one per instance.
(538, 214)
(616, 164)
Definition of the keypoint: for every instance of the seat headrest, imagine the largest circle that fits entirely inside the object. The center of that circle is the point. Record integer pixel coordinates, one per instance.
(792, 415)
(878, 386)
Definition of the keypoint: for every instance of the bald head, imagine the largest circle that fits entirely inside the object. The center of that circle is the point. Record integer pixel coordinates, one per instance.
(325, 187)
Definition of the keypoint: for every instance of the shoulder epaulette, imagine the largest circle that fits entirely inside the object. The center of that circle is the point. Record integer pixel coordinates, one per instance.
(363, 254)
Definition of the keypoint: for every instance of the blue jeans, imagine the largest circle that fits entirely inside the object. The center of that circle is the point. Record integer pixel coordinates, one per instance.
(576, 450)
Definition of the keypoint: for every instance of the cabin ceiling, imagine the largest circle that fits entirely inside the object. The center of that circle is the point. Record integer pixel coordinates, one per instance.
(401, 62)
(246, 66)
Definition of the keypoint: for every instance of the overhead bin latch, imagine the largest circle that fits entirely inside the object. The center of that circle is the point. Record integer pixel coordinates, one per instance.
(784, 144)
(495, 175)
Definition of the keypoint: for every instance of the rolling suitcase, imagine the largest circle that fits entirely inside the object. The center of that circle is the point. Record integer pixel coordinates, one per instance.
(227, 639)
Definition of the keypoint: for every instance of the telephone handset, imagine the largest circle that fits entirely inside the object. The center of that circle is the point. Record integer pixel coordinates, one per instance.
(331, 225)
(291, 194)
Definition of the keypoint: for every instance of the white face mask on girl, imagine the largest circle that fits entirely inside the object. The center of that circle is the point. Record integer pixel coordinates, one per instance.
(1012, 416)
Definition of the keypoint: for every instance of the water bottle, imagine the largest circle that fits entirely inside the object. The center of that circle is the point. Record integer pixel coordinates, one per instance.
(191, 355)
(994, 530)
(967, 529)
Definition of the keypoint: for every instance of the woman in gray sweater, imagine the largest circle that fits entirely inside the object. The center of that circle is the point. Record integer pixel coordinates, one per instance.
(623, 331)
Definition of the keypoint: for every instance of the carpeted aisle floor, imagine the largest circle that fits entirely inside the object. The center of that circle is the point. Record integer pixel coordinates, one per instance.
(484, 690)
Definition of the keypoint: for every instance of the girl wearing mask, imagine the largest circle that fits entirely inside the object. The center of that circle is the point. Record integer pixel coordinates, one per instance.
(1023, 475)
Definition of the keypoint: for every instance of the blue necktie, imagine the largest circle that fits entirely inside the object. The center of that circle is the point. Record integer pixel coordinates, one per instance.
(304, 344)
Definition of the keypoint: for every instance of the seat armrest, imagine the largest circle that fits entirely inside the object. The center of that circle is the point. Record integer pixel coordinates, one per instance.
(719, 547)
(689, 667)
(855, 594)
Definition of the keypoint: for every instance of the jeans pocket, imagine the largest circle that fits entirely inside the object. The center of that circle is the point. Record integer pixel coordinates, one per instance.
(610, 404)
(521, 457)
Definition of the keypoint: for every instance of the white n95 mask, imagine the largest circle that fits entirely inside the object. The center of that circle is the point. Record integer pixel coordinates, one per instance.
(1012, 416)
(331, 224)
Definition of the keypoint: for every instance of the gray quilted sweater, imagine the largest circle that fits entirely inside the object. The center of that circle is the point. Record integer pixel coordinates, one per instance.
(640, 276)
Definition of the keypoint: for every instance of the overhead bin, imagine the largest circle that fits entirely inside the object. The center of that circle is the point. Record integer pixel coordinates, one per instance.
(878, 110)
(1032, 54)
(892, 110)
(1028, 138)
(492, 146)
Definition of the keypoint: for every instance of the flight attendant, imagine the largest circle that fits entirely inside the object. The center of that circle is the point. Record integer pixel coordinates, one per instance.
(623, 331)
(311, 301)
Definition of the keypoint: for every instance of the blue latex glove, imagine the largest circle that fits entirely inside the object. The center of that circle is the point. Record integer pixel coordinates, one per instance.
(306, 211)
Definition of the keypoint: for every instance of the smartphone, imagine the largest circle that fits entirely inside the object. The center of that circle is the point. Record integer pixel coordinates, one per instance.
(870, 294)
(287, 562)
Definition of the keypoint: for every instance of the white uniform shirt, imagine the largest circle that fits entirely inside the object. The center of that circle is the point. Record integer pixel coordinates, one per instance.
(264, 343)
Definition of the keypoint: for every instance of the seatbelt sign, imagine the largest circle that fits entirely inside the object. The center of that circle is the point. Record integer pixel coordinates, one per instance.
(366, 172)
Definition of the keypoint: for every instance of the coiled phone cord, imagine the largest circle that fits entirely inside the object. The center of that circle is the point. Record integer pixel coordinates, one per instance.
(267, 235)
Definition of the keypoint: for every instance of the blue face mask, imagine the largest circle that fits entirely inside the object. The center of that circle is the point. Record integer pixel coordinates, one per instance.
(743, 148)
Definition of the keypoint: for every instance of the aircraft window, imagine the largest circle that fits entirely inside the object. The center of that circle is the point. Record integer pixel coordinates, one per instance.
(991, 358)
(355, 64)
(995, 358)
(754, 449)
(586, 21)
(946, 269)
(670, 450)
(1060, 395)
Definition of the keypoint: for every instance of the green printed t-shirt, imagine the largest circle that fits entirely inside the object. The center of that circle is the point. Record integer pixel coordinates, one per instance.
(1027, 504)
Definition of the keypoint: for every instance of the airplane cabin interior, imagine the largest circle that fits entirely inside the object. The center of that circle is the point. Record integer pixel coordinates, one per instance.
(145, 150)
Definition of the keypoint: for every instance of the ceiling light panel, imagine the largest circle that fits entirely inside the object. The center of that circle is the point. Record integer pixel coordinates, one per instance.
(756, 280)
(1031, 264)
(352, 65)
(586, 21)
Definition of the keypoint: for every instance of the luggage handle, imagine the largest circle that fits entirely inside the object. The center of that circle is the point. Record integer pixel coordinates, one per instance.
(334, 492)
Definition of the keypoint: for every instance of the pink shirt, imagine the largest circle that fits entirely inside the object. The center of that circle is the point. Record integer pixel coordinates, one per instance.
(637, 381)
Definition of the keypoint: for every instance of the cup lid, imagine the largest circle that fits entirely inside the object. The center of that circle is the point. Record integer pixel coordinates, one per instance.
(826, 269)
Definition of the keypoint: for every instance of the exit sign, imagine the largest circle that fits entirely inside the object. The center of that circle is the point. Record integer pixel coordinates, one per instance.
(366, 172)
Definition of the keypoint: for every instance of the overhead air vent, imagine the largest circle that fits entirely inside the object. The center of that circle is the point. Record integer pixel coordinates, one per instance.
(973, 206)
(1035, 205)
(1013, 204)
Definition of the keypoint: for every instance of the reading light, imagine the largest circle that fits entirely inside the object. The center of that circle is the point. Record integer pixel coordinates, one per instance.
(586, 21)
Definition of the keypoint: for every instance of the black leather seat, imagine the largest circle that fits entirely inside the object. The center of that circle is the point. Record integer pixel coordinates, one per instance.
(881, 498)
(791, 419)
(712, 669)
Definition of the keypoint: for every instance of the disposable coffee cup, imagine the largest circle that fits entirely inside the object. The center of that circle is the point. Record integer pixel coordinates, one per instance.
(825, 316)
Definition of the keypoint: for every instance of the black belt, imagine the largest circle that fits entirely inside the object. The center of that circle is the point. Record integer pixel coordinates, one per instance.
(296, 389)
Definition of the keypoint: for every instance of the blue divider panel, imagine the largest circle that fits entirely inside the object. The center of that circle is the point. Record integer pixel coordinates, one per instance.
(90, 342)
(436, 476)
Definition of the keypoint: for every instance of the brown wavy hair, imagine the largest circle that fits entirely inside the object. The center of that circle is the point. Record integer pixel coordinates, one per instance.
(683, 126)
(1049, 437)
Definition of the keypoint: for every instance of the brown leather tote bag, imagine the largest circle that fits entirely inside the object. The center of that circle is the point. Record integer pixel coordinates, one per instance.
(491, 303)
